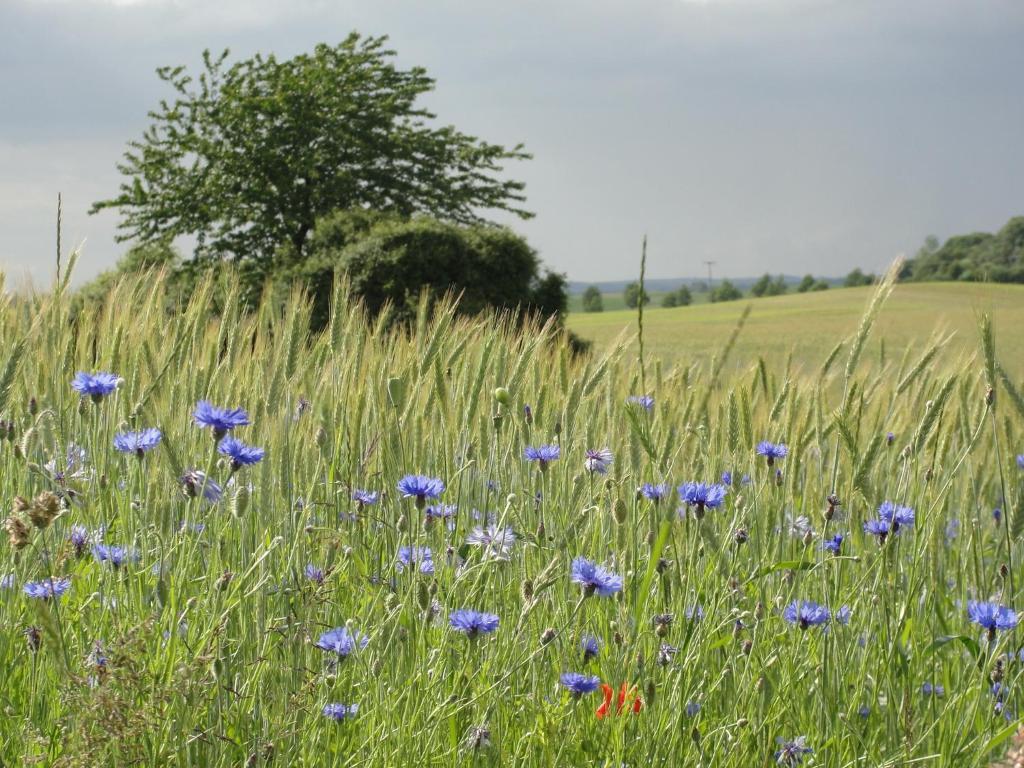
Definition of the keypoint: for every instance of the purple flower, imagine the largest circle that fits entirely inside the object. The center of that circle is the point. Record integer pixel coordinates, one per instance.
(241, 455)
(772, 451)
(727, 478)
(692, 708)
(843, 615)
(195, 481)
(792, 752)
(365, 498)
(805, 613)
(7, 581)
(598, 461)
(897, 517)
(339, 712)
(314, 574)
(421, 488)
(654, 492)
(220, 420)
(834, 544)
(578, 684)
(116, 556)
(138, 442)
(594, 578)
(878, 528)
(341, 642)
(79, 538)
(95, 385)
(413, 557)
(591, 646)
(890, 438)
(991, 616)
(496, 542)
(694, 612)
(932, 690)
(473, 623)
(45, 590)
(1020, 460)
(644, 401)
(702, 496)
(542, 454)
(440, 511)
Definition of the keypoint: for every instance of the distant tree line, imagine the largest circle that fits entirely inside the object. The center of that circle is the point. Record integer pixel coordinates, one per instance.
(978, 256)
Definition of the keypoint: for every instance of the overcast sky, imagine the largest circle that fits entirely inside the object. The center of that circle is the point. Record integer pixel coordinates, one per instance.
(790, 135)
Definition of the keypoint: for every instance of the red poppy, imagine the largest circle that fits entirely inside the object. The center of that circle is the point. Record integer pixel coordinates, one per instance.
(624, 692)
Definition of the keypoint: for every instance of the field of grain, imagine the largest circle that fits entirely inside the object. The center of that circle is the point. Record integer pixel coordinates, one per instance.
(235, 543)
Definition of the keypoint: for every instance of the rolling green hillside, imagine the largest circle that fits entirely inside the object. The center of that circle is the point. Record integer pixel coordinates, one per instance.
(808, 325)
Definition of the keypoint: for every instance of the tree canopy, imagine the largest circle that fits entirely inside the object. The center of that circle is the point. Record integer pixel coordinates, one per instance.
(248, 156)
(975, 256)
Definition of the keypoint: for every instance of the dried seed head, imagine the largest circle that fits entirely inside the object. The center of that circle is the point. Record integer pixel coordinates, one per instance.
(18, 532)
(224, 580)
(741, 536)
(547, 636)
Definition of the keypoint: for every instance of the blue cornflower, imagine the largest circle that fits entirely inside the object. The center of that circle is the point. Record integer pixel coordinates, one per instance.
(864, 710)
(542, 454)
(116, 556)
(806, 613)
(595, 578)
(952, 530)
(932, 690)
(241, 455)
(341, 642)
(138, 442)
(694, 612)
(791, 752)
(413, 557)
(727, 478)
(997, 515)
(1020, 461)
(890, 438)
(702, 496)
(421, 488)
(315, 574)
(896, 516)
(834, 544)
(472, 623)
(195, 481)
(991, 616)
(843, 615)
(95, 385)
(365, 498)
(654, 492)
(339, 712)
(644, 401)
(440, 511)
(579, 684)
(692, 708)
(79, 538)
(7, 581)
(878, 528)
(44, 590)
(598, 461)
(772, 451)
(220, 420)
(591, 646)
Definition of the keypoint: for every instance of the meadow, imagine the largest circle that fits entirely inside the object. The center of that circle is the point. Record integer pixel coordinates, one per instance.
(434, 545)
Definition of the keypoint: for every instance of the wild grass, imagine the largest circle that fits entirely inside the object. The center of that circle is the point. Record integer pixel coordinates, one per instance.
(207, 652)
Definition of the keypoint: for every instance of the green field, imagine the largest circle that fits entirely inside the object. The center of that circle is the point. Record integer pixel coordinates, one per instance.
(614, 301)
(807, 326)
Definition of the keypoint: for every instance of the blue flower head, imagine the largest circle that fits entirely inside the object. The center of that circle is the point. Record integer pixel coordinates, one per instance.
(138, 442)
(594, 578)
(834, 544)
(241, 455)
(878, 528)
(792, 753)
(991, 616)
(421, 488)
(578, 684)
(591, 646)
(315, 573)
(542, 454)
(440, 511)
(472, 623)
(772, 451)
(692, 708)
(897, 517)
(654, 492)
(341, 642)
(220, 420)
(116, 556)
(339, 712)
(598, 461)
(702, 496)
(1020, 460)
(928, 689)
(727, 478)
(644, 401)
(50, 588)
(806, 613)
(415, 557)
(195, 482)
(365, 498)
(95, 385)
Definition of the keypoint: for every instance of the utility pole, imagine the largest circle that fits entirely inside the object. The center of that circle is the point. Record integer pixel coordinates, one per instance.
(709, 264)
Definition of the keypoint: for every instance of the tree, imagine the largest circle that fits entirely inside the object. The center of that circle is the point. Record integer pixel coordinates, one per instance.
(761, 285)
(726, 291)
(680, 297)
(592, 300)
(806, 284)
(857, 278)
(248, 157)
(389, 260)
(631, 295)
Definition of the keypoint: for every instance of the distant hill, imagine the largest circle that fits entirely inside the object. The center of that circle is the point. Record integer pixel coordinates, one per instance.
(655, 285)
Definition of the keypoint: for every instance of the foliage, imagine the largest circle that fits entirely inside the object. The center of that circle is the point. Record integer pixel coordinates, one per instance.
(725, 291)
(592, 299)
(857, 278)
(248, 156)
(767, 286)
(680, 297)
(207, 644)
(631, 295)
(978, 256)
(808, 283)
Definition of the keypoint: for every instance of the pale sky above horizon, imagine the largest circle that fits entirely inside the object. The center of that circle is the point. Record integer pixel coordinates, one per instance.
(786, 135)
